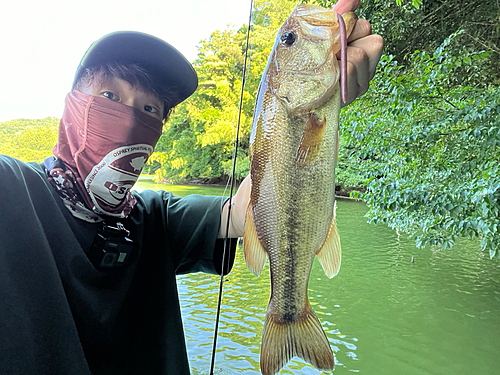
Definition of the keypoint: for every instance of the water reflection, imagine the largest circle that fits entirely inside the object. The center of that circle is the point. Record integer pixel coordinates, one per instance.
(382, 314)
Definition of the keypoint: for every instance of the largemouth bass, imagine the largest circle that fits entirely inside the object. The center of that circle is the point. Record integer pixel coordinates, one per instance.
(293, 153)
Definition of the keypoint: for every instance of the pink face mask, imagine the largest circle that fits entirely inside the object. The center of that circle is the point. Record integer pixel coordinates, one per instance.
(105, 144)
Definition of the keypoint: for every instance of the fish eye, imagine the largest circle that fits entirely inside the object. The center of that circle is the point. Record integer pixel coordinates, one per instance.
(287, 38)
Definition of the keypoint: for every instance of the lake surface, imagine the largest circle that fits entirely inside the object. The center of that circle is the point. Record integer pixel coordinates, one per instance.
(382, 313)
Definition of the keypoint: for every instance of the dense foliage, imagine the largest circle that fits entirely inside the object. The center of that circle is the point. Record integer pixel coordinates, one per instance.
(421, 147)
(426, 136)
(429, 150)
(28, 140)
(424, 139)
(198, 140)
(410, 25)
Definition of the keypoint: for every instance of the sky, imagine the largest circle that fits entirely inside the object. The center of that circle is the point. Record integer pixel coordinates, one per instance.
(42, 42)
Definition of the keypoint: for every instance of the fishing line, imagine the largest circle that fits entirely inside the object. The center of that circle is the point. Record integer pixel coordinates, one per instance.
(236, 141)
(229, 180)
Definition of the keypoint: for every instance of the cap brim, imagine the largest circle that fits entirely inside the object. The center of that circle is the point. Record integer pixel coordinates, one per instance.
(157, 57)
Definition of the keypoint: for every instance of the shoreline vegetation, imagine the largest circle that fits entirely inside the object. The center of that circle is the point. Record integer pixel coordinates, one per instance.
(340, 192)
(420, 147)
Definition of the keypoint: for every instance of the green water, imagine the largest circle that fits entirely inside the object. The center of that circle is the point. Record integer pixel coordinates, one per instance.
(382, 313)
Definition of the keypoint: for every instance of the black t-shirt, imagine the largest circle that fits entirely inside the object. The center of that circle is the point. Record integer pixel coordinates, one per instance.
(59, 315)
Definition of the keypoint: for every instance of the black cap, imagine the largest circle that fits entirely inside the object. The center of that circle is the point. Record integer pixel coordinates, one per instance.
(157, 57)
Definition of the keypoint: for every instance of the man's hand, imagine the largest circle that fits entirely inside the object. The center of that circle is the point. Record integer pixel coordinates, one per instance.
(239, 205)
(363, 52)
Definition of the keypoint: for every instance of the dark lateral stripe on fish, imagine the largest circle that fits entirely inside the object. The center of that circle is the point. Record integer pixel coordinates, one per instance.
(290, 285)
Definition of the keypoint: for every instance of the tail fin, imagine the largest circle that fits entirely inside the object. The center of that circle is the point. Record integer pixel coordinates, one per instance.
(303, 338)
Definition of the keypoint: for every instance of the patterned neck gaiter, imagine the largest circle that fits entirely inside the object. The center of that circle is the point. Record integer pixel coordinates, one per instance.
(103, 146)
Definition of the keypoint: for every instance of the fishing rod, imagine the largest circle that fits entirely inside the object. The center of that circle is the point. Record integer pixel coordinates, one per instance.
(232, 179)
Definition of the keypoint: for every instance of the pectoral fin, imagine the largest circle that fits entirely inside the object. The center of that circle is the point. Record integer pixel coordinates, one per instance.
(310, 141)
(329, 255)
(255, 255)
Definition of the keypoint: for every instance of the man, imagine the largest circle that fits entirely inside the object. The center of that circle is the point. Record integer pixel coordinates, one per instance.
(88, 268)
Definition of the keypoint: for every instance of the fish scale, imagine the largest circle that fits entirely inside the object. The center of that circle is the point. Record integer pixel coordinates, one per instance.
(293, 154)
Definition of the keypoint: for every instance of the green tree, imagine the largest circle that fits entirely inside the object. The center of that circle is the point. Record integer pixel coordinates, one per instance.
(28, 140)
(424, 140)
(198, 140)
(429, 149)
(409, 25)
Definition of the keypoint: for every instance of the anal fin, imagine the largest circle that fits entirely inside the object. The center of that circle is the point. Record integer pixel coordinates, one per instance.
(255, 255)
(329, 255)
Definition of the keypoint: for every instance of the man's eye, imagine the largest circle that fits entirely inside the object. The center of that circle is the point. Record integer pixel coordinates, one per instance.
(111, 96)
(149, 108)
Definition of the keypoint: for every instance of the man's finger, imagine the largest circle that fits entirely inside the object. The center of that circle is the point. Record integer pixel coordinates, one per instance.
(357, 73)
(361, 29)
(363, 56)
(360, 60)
(372, 45)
